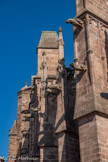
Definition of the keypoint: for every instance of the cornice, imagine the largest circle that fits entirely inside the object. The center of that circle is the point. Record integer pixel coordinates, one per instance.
(86, 11)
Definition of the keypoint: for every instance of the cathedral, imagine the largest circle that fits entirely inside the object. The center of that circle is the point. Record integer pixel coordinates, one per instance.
(63, 115)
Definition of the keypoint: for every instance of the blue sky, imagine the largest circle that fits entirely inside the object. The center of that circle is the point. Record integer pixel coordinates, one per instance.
(21, 23)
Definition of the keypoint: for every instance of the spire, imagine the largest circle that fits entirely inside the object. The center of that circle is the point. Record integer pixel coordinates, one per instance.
(60, 33)
(61, 45)
(26, 84)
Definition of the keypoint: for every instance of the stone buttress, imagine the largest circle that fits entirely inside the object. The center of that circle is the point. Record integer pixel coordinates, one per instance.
(91, 106)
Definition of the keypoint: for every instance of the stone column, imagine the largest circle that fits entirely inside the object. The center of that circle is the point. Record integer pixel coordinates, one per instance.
(61, 45)
(66, 128)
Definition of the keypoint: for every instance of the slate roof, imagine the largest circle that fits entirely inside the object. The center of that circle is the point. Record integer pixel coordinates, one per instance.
(49, 39)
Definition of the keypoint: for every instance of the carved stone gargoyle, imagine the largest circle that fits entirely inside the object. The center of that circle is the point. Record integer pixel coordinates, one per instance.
(26, 119)
(25, 133)
(75, 21)
(36, 109)
(25, 112)
(79, 67)
(54, 89)
(19, 138)
(27, 116)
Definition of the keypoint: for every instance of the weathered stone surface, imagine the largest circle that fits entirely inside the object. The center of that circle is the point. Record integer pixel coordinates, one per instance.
(91, 84)
(68, 147)
(93, 138)
(49, 39)
(98, 7)
(91, 106)
(18, 136)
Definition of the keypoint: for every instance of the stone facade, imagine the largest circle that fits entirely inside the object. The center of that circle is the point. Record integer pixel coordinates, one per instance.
(93, 138)
(63, 115)
(91, 108)
(45, 128)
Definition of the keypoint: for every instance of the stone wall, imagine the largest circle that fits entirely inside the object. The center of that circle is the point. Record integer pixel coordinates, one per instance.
(68, 147)
(18, 137)
(91, 49)
(51, 59)
(93, 138)
(91, 107)
(98, 7)
(66, 127)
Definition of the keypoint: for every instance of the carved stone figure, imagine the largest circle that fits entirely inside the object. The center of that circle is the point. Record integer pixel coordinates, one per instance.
(54, 89)
(75, 21)
(79, 67)
(26, 119)
(55, 86)
(27, 116)
(36, 109)
(25, 112)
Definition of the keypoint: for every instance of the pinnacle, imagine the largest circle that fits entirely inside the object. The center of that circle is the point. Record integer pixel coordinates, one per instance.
(60, 29)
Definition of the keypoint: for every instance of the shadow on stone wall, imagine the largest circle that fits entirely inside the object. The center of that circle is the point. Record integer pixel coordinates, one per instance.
(103, 94)
(48, 143)
(29, 147)
(106, 46)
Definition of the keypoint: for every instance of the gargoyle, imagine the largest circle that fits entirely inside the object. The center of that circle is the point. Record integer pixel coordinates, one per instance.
(26, 119)
(75, 21)
(54, 89)
(19, 138)
(27, 116)
(55, 86)
(25, 112)
(79, 67)
(36, 109)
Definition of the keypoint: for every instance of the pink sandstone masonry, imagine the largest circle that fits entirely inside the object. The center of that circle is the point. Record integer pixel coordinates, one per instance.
(98, 7)
(93, 138)
(91, 107)
(63, 115)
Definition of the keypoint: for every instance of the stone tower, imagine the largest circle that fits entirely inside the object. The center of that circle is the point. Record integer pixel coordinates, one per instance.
(47, 62)
(91, 108)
